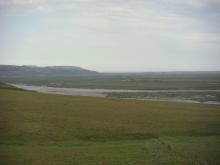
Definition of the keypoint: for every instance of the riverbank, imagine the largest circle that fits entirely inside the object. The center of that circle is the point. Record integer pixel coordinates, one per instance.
(184, 96)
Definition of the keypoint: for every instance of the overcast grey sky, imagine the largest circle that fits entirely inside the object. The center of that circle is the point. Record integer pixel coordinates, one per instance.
(112, 35)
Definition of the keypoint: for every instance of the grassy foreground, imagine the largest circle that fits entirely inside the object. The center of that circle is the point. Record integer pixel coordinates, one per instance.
(43, 129)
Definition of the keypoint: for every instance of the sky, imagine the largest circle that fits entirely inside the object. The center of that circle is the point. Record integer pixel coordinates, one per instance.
(112, 35)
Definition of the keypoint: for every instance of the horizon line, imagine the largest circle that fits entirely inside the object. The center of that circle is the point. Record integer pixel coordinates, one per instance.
(144, 71)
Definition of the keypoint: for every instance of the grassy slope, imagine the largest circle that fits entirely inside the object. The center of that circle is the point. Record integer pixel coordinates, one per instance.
(8, 87)
(52, 129)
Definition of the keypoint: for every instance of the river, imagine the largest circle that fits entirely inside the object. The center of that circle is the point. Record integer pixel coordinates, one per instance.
(104, 92)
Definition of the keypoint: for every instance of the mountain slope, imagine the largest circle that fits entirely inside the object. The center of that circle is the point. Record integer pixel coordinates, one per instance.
(29, 71)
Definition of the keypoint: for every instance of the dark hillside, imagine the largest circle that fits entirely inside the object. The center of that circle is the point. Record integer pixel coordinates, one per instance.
(8, 71)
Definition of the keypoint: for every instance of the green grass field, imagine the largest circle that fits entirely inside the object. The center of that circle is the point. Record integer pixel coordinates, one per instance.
(43, 129)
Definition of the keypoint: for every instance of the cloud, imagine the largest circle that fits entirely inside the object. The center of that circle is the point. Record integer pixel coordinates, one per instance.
(194, 3)
(110, 29)
(120, 16)
(53, 3)
(122, 6)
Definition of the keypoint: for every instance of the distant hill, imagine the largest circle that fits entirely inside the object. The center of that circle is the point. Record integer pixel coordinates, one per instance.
(8, 71)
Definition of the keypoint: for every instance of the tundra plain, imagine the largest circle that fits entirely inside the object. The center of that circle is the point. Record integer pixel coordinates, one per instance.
(43, 129)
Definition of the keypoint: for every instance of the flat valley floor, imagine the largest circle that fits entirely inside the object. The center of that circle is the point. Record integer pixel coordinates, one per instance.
(45, 129)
